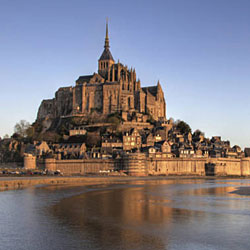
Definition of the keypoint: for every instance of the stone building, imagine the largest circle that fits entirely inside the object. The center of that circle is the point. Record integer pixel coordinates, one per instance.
(115, 88)
(131, 140)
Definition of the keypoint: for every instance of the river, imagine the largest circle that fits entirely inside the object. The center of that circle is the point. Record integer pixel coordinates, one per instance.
(153, 214)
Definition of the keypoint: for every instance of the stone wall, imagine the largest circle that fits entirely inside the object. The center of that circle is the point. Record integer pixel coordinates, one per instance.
(135, 164)
(176, 166)
(138, 164)
(245, 166)
(229, 166)
(29, 161)
(86, 166)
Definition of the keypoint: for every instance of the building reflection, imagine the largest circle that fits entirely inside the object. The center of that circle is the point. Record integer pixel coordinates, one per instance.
(126, 217)
(140, 214)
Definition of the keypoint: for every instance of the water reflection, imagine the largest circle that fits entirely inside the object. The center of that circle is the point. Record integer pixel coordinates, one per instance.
(143, 215)
(159, 214)
(113, 217)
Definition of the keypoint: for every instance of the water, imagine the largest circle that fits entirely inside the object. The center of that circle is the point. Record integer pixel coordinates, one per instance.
(157, 214)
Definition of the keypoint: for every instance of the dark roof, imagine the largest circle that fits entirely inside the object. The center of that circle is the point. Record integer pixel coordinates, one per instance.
(106, 55)
(111, 139)
(83, 79)
(30, 149)
(152, 90)
(160, 142)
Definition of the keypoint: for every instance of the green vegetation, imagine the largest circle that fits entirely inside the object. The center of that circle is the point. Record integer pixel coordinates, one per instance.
(115, 119)
(93, 140)
(183, 127)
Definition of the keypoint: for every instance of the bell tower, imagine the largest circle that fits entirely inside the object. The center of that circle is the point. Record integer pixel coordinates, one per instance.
(106, 60)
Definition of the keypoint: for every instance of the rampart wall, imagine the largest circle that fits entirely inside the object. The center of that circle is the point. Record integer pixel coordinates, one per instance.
(86, 166)
(138, 164)
(176, 166)
(229, 166)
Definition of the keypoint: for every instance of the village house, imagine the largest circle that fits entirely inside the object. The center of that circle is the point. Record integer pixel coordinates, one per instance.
(77, 131)
(70, 150)
(131, 140)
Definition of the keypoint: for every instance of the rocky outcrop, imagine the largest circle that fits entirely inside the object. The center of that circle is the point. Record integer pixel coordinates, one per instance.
(59, 106)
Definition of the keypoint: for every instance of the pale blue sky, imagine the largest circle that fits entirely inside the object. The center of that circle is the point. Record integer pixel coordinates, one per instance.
(198, 49)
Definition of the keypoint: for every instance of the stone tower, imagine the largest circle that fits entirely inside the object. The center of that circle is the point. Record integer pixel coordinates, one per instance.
(106, 60)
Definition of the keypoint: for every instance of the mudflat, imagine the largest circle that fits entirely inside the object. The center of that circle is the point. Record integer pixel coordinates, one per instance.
(7, 183)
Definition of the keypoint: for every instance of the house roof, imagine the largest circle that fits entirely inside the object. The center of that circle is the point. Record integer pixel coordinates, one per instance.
(83, 79)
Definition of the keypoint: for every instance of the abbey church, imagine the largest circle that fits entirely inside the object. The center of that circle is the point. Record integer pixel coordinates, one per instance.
(115, 88)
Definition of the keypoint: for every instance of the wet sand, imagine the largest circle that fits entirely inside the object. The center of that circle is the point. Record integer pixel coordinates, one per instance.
(7, 183)
(242, 191)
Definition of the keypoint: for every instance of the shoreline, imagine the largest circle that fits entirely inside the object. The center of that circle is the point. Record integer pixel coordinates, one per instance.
(242, 191)
(12, 183)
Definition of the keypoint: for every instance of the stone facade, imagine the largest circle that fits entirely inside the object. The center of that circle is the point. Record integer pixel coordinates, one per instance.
(139, 164)
(29, 161)
(115, 88)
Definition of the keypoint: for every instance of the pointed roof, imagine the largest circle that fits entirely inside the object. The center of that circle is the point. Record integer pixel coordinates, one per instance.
(106, 54)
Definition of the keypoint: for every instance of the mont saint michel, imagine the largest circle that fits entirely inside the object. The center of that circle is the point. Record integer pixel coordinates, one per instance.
(109, 123)
(129, 134)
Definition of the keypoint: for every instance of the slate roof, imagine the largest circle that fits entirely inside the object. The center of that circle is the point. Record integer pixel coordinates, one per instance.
(83, 79)
(106, 55)
(152, 90)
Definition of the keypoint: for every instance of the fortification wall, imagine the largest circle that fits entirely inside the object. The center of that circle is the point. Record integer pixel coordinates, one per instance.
(230, 166)
(135, 164)
(29, 161)
(245, 166)
(176, 166)
(138, 164)
(86, 166)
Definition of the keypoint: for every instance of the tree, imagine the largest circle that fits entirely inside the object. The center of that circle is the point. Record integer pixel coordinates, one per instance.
(93, 139)
(22, 128)
(114, 119)
(198, 133)
(6, 136)
(183, 127)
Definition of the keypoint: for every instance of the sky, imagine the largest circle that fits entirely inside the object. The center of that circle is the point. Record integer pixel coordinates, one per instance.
(198, 49)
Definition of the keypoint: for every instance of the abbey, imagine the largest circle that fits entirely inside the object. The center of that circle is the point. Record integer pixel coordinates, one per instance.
(115, 88)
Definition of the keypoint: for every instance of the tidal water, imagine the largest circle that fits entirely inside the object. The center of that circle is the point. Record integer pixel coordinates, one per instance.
(157, 214)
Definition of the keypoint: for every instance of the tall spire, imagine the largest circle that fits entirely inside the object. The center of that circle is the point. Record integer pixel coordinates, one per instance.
(106, 45)
(106, 54)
